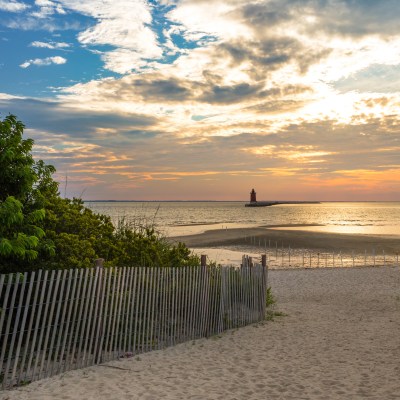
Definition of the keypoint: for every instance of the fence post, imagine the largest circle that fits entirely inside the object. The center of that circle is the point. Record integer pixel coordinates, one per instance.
(384, 258)
(203, 260)
(264, 260)
(99, 262)
(373, 252)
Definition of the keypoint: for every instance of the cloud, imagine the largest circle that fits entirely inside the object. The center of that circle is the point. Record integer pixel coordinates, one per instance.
(123, 25)
(28, 23)
(61, 119)
(13, 6)
(51, 45)
(350, 18)
(299, 93)
(47, 8)
(40, 62)
(378, 78)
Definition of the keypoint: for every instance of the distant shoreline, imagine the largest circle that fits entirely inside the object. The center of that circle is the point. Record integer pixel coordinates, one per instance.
(242, 201)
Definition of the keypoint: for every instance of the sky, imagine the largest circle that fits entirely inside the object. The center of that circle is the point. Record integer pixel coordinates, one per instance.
(205, 100)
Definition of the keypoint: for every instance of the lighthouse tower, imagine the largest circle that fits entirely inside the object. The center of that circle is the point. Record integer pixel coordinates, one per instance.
(253, 198)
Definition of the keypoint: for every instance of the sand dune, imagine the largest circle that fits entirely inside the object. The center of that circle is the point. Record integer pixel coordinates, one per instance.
(338, 340)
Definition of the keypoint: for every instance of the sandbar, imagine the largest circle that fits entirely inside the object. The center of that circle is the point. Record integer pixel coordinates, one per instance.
(256, 237)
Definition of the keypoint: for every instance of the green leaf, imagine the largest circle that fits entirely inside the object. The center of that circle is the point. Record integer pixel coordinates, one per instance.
(6, 247)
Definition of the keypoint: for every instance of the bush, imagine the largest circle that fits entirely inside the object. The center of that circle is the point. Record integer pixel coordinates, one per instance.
(41, 230)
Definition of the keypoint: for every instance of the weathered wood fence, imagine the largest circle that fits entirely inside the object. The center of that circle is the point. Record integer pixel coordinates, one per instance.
(55, 321)
(280, 255)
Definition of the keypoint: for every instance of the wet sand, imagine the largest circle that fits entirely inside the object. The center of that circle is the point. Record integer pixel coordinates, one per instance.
(239, 239)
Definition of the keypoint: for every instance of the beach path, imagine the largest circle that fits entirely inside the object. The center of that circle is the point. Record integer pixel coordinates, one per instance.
(339, 339)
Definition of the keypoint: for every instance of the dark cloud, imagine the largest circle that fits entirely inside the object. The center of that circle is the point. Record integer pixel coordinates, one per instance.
(342, 17)
(230, 94)
(51, 116)
(154, 89)
(264, 15)
(268, 54)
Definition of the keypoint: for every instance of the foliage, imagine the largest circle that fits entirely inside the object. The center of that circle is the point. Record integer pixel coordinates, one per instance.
(23, 185)
(269, 299)
(16, 163)
(41, 230)
(143, 245)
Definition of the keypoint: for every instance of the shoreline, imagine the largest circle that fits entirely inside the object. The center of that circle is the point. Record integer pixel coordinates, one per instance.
(260, 237)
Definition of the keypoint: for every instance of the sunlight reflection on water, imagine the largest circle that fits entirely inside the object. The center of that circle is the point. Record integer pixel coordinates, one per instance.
(183, 218)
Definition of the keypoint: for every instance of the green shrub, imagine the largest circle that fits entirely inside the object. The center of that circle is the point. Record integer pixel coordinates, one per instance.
(41, 230)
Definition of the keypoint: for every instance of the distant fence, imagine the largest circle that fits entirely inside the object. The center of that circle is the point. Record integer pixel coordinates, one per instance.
(307, 258)
(55, 321)
(285, 256)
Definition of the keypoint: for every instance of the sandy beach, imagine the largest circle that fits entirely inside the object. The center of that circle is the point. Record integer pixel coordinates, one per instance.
(338, 340)
(240, 239)
(292, 246)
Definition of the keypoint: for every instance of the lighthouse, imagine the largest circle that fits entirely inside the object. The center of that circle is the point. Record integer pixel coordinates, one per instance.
(253, 198)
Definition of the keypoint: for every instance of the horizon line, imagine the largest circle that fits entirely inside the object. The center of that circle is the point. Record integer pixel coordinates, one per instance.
(236, 201)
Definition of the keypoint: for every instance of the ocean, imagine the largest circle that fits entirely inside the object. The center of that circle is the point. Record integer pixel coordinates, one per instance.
(183, 218)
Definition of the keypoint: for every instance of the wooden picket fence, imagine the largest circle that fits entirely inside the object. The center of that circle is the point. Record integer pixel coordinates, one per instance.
(59, 320)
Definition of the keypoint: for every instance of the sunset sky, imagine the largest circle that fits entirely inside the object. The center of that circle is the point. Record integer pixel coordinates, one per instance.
(192, 99)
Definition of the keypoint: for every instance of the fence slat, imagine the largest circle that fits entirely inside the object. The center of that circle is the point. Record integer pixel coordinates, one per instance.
(38, 319)
(50, 326)
(68, 329)
(75, 323)
(85, 327)
(145, 320)
(132, 301)
(152, 306)
(21, 335)
(29, 330)
(113, 341)
(89, 349)
(97, 327)
(138, 292)
(57, 299)
(126, 342)
(62, 332)
(48, 291)
(110, 294)
(160, 299)
(9, 319)
(16, 325)
(120, 319)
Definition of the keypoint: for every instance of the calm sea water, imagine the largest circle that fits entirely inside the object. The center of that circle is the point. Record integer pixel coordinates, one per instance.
(178, 218)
